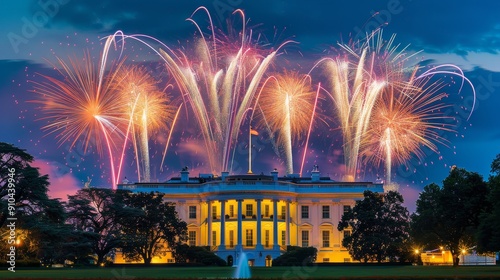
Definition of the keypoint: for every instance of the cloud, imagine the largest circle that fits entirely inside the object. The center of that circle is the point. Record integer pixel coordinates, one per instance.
(61, 184)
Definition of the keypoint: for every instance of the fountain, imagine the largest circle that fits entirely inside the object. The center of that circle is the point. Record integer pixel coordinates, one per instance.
(242, 268)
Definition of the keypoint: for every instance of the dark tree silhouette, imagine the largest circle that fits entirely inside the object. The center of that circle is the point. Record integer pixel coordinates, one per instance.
(379, 227)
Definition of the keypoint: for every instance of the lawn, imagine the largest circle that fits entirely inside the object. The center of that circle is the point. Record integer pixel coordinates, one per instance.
(332, 272)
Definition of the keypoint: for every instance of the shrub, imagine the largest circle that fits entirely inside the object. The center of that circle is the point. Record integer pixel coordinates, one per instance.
(196, 254)
(296, 256)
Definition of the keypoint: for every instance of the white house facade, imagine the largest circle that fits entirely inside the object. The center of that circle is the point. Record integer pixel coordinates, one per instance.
(261, 214)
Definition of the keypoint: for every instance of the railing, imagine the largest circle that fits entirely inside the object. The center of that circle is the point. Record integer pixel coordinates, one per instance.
(276, 186)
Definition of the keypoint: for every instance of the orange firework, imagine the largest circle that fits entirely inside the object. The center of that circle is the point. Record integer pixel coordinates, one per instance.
(81, 105)
(287, 104)
(149, 110)
(405, 120)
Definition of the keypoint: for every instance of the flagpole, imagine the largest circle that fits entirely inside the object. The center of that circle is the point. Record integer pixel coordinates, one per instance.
(250, 150)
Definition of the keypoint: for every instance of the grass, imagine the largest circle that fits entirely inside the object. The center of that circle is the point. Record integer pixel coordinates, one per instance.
(314, 272)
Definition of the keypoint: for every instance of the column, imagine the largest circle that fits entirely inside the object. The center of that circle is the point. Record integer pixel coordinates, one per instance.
(297, 215)
(313, 215)
(222, 245)
(259, 225)
(287, 223)
(209, 223)
(240, 226)
(275, 225)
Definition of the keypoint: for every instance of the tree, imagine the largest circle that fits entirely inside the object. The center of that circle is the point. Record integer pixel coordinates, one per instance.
(449, 216)
(40, 220)
(29, 187)
(154, 225)
(379, 227)
(488, 234)
(95, 214)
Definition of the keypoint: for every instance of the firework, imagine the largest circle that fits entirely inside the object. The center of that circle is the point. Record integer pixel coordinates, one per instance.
(219, 83)
(405, 120)
(357, 81)
(149, 110)
(287, 104)
(82, 105)
(354, 91)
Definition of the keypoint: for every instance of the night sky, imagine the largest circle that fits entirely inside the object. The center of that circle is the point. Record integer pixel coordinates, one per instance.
(464, 33)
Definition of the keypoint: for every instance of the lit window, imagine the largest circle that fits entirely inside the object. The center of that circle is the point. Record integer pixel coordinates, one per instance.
(283, 238)
(192, 212)
(305, 238)
(231, 210)
(266, 238)
(214, 212)
(326, 238)
(249, 235)
(326, 212)
(214, 238)
(192, 238)
(283, 212)
(266, 210)
(249, 210)
(304, 211)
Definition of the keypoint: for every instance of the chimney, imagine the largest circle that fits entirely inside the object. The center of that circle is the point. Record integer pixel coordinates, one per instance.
(223, 176)
(274, 173)
(315, 174)
(185, 175)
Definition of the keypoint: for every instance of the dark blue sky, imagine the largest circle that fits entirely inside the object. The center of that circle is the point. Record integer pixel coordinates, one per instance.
(465, 33)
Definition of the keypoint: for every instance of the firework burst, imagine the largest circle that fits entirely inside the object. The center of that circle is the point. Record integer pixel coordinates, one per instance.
(287, 105)
(405, 120)
(149, 111)
(220, 85)
(358, 79)
(82, 105)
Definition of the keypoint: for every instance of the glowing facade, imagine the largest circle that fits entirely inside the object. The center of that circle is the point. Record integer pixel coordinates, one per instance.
(261, 214)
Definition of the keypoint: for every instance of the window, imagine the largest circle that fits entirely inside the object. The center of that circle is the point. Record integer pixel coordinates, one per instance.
(347, 208)
(192, 238)
(347, 233)
(231, 238)
(249, 210)
(283, 238)
(214, 238)
(231, 210)
(283, 212)
(266, 238)
(326, 260)
(249, 235)
(214, 212)
(192, 212)
(170, 260)
(304, 211)
(326, 238)
(266, 210)
(326, 212)
(305, 238)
